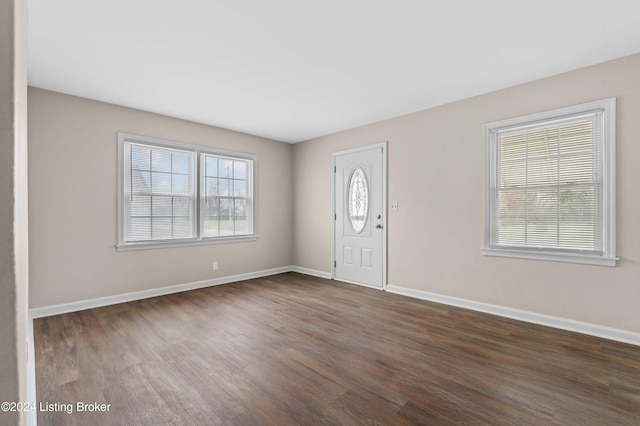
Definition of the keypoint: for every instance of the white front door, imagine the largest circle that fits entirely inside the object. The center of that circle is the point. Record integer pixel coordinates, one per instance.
(359, 234)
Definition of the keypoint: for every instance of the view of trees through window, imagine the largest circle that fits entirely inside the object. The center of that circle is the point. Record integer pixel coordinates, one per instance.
(224, 196)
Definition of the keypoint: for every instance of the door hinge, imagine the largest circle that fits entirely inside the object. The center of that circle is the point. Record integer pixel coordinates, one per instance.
(334, 264)
(335, 216)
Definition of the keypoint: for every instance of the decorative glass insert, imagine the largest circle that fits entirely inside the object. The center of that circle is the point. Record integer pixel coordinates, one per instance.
(358, 200)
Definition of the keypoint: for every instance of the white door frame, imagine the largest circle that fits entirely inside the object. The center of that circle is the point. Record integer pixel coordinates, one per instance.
(383, 146)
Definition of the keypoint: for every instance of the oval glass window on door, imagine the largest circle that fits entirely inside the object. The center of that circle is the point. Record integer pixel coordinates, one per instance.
(358, 200)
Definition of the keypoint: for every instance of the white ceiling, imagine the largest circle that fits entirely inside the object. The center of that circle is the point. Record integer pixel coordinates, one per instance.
(291, 70)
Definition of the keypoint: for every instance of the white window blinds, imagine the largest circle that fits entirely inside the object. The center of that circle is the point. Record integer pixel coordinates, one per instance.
(159, 193)
(548, 186)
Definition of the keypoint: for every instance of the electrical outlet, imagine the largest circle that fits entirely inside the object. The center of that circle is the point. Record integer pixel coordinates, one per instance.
(394, 205)
(215, 265)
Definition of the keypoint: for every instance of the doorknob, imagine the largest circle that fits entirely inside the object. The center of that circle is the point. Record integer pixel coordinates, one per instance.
(378, 226)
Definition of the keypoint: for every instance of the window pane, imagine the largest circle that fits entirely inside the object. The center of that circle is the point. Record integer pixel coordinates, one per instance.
(241, 225)
(211, 166)
(141, 182)
(210, 207)
(239, 188)
(210, 187)
(226, 209)
(577, 169)
(161, 161)
(140, 158)
(577, 234)
(578, 219)
(182, 227)
(513, 174)
(513, 146)
(139, 229)
(577, 204)
(543, 171)
(140, 206)
(226, 168)
(160, 183)
(180, 163)
(240, 207)
(210, 227)
(576, 137)
(511, 224)
(161, 206)
(226, 226)
(542, 142)
(224, 187)
(181, 207)
(542, 218)
(240, 170)
(161, 228)
(180, 184)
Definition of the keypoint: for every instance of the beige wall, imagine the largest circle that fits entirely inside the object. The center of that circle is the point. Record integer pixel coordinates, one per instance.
(13, 207)
(72, 195)
(435, 170)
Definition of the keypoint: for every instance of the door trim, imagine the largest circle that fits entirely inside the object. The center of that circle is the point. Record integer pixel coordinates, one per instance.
(383, 146)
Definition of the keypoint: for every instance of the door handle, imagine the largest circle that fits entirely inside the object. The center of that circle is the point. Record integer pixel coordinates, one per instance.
(378, 226)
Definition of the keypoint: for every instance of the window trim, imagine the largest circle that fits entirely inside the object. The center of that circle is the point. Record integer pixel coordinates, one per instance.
(198, 239)
(608, 258)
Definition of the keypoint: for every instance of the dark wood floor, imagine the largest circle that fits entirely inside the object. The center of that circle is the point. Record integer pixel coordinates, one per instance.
(296, 350)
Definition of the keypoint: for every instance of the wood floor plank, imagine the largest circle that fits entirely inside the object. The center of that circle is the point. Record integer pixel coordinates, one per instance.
(292, 349)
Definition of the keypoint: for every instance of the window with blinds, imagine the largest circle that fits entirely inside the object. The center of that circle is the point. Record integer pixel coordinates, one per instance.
(549, 185)
(177, 194)
(159, 193)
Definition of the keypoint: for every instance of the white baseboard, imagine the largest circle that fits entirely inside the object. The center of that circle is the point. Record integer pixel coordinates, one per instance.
(64, 308)
(527, 316)
(312, 272)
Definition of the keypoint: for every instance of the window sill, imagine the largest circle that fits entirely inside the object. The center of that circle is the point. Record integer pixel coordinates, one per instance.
(184, 243)
(552, 257)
